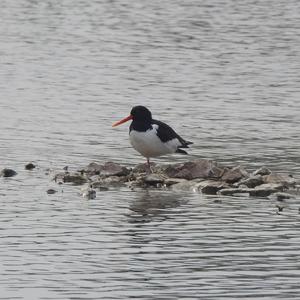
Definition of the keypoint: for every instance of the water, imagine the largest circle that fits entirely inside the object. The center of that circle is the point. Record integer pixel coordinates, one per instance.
(224, 74)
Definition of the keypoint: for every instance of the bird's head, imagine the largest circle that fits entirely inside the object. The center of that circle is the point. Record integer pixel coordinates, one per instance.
(138, 113)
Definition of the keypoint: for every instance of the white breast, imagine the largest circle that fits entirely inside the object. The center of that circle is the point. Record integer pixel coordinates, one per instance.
(148, 143)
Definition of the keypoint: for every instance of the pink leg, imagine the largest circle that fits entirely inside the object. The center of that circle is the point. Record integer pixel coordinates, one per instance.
(148, 163)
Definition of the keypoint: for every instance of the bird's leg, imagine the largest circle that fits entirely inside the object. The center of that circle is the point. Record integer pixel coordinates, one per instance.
(149, 165)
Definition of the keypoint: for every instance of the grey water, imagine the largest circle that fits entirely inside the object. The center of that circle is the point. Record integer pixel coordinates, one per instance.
(223, 73)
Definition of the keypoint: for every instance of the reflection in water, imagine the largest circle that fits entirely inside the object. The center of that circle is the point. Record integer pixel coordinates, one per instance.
(154, 204)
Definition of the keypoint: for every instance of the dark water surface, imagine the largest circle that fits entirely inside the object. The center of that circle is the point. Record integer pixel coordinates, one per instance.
(224, 74)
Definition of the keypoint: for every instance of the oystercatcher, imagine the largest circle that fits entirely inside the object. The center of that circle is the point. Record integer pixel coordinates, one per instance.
(152, 138)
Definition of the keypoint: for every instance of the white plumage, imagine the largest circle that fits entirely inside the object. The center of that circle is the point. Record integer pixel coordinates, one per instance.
(149, 144)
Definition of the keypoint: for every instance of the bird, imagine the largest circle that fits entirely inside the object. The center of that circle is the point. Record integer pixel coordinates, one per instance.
(150, 137)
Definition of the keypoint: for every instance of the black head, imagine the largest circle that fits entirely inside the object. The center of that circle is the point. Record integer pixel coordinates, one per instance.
(141, 114)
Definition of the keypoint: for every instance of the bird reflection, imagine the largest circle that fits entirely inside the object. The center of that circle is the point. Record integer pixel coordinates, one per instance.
(150, 204)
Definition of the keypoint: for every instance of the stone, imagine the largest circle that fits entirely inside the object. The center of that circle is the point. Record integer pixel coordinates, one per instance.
(265, 190)
(153, 179)
(8, 172)
(185, 186)
(262, 171)
(283, 179)
(234, 174)
(194, 169)
(210, 187)
(144, 168)
(66, 177)
(51, 191)
(93, 169)
(114, 169)
(171, 181)
(30, 166)
(251, 182)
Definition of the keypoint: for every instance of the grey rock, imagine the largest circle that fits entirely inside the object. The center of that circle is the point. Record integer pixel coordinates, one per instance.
(144, 168)
(210, 187)
(113, 169)
(8, 172)
(262, 171)
(251, 182)
(283, 179)
(93, 169)
(66, 177)
(51, 191)
(171, 181)
(194, 169)
(265, 190)
(153, 179)
(30, 166)
(116, 181)
(235, 174)
(185, 186)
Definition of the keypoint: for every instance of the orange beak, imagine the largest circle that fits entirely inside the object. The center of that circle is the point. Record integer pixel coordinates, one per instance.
(122, 121)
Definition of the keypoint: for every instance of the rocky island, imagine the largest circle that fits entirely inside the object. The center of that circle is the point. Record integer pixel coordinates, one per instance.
(203, 176)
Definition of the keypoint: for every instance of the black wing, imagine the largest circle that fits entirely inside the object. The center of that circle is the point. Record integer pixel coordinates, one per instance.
(166, 133)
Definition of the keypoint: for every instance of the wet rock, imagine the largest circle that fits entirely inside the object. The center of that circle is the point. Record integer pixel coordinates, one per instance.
(235, 174)
(283, 179)
(265, 190)
(184, 186)
(153, 179)
(112, 181)
(66, 177)
(51, 191)
(251, 182)
(210, 187)
(113, 169)
(93, 169)
(30, 166)
(144, 168)
(194, 169)
(171, 181)
(8, 172)
(262, 171)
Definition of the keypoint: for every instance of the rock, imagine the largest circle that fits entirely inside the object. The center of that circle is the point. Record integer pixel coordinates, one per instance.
(8, 172)
(30, 166)
(235, 174)
(252, 181)
(171, 181)
(194, 169)
(143, 168)
(265, 190)
(262, 171)
(93, 169)
(153, 179)
(283, 179)
(51, 191)
(234, 191)
(66, 177)
(111, 181)
(185, 186)
(210, 187)
(113, 169)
